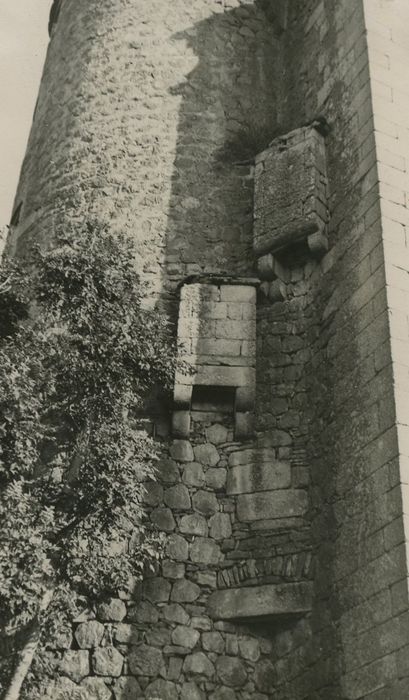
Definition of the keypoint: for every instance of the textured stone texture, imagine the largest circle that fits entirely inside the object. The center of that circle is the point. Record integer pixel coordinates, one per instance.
(284, 599)
(150, 119)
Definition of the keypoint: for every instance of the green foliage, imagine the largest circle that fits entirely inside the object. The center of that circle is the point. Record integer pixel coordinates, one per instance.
(78, 356)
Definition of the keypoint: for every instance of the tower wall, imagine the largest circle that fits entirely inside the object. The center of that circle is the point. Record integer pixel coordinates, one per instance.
(150, 116)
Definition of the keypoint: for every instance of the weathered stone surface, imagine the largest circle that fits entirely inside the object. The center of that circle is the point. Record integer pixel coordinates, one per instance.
(238, 293)
(193, 525)
(190, 691)
(113, 610)
(205, 502)
(184, 636)
(272, 504)
(198, 664)
(213, 641)
(62, 638)
(206, 454)
(145, 661)
(177, 548)
(165, 690)
(207, 578)
(158, 636)
(64, 689)
(273, 599)
(220, 526)
(181, 423)
(97, 688)
(216, 478)
(182, 451)
(265, 676)
(193, 474)
(185, 591)
(143, 612)
(231, 671)
(223, 693)
(205, 551)
(175, 613)
(127, 688)
(127, 634)
(172, 569)
(89, 634)
(156, 589)
(74, 665)
(217, 434)
(177, 497)
(250, 478)
(249, 649)
(163, 519)
(153, 495)
(107, 661)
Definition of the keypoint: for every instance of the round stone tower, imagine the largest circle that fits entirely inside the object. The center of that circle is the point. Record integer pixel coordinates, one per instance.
(147, 116)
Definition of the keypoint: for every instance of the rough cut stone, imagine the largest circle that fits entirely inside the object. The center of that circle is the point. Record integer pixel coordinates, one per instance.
(220, 526)
(182, 451)
(205, 502)
(217, 434)
(165, 690)
(198, 664)
(107, 661)
(255, 601)
(96, 688)
(177, 497)
(238, 293)
(185, 591)
(190, 691)
(177, 548)
(153, 495)
(64, 689)
(193, 525)
(173, 570)
(223, 693)
(163, 519)
(113, 610)
(89, 634)
(146, 661)
(265, 677)
(74, 665)
(127, 688)
(205, 551)
(207, 454)
(156, 590)
(216, 478)
(143, 612)
(250, 478)
(249, 649)
(127, 634)
(213, 641)
(62, 638)
(272, 504)
(231, 671)
(184, 636)
(193, 474)
(158, 636)
(175, 613)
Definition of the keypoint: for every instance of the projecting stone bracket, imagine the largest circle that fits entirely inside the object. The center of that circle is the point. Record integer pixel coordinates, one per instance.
(287, 599)
(290, 201)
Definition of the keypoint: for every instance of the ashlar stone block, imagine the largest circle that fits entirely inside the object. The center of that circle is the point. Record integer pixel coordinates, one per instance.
(251, 478)
(272, 504)
(257, 601)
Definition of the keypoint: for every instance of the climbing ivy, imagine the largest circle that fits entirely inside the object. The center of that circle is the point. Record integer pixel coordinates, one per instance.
(79, 355)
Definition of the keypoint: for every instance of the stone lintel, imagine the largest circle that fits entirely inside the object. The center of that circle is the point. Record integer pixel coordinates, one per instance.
(290, 599)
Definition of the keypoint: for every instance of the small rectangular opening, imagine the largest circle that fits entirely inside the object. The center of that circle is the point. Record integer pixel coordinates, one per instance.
(213, 399)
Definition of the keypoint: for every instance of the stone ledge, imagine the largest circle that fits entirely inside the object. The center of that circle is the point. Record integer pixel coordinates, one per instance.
(291, 599)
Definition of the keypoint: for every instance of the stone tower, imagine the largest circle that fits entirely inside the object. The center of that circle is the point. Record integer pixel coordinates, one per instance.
(257, 152)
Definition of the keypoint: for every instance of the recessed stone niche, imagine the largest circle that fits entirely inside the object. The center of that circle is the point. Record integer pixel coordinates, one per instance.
(217, 349)
(290, 196)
